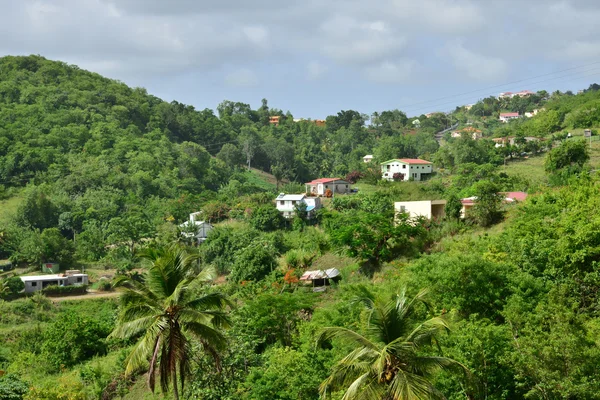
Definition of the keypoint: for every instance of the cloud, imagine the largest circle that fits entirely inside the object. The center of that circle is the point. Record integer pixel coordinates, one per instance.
(316, 70)
(475, 66)
(242, 77)
(391, 72)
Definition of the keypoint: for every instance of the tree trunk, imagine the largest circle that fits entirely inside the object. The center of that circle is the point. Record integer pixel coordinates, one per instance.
(175, 390)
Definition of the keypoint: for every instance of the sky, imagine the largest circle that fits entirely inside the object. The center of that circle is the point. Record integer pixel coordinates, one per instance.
(317, 57)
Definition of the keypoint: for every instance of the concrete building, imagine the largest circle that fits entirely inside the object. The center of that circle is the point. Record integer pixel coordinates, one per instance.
(368, 158)
(430, 209)
(319, 187)
(38, 282)
(505, 117)
(195, 229)
(286, 204)
(408, 168)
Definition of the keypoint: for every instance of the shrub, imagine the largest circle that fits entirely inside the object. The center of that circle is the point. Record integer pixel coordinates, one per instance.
(266, 218)
(253, 263)
(104, 286)
(354, 176)
(15, 284)
(12, 388)
(55, 290)
(398, 176)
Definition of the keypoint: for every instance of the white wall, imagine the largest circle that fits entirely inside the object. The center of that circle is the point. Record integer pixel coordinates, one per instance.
(409, 171)
(414, 208)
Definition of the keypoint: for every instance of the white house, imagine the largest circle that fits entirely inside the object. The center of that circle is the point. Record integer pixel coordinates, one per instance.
(430, 209)
(38, 282)
(469, 130)
(505, 117)
(414, 168)
(195, 229)
(318, 187)
(286, 204)
(368, 158)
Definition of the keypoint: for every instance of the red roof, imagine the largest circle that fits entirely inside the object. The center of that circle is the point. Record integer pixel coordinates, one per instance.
(518, 196)
(414, 161)
(509, 114)
(323, 180)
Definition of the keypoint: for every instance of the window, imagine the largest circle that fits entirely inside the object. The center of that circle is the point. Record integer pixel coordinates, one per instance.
(404, 166)
(281, 202)
(402, 209)
(293, 202)
(326, 187)
(33, 284)
(79, 279)
(346, 186)
(387, 167)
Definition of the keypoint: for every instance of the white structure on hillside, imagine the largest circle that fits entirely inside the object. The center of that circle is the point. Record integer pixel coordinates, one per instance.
(430, 209)
(195, 229)
(368, 158)
(287, 203)
(505, 117)
(319, 187)
(38, 282)
(409, 168)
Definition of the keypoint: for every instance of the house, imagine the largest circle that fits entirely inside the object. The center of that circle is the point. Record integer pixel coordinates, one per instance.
(467, 107)
(534, 112)
(408, 168)
(195, 229)
(286, 204)
(510, 95)
(505, 117)
(509, 198)
(469, 130)
(274, 120)
(368, 158)
(430, 209)
(39, 282)
(319, 187)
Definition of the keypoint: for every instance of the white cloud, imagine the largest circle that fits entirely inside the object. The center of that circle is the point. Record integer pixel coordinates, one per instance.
(391, 72)
(475, 66)
(242, 77)
(315, 70)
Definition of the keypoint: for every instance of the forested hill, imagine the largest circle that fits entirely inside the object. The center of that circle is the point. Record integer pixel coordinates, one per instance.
(61, 123)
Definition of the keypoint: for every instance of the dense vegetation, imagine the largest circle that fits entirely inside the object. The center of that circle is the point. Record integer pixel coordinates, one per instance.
(502, 305)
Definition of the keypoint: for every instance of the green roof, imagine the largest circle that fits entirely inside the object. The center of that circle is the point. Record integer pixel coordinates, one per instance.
(393, 159)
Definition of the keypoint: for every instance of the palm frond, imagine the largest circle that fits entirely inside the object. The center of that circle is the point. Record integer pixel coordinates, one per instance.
(207, 334)
(346, 335)
(132, 328)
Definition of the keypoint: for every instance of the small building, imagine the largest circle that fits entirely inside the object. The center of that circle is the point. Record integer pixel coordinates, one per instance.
(195, 229)
(509, 198)
(368, 158)
(408, 168)
(286, 204)
(430, 209)
(319, 187)
(321, 278)
(38, 282)
(470, 131)
(505, 117)
(274, 120)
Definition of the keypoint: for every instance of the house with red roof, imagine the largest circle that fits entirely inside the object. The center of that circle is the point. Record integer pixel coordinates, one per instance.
(505, 117)
(404, 169)
(319, 187)
(509, 198)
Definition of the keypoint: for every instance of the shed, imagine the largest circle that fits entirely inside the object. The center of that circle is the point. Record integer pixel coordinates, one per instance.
(320, 277)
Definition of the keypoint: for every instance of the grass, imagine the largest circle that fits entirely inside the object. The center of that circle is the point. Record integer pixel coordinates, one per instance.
(8, 208)
(261, 179)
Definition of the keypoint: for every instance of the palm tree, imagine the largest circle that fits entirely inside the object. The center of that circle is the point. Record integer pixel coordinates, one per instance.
(164, 311)
(387, 364)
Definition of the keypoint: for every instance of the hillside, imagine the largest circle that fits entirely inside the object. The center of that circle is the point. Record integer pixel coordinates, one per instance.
(499, 303)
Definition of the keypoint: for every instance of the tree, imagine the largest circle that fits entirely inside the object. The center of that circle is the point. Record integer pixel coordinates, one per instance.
(231, 155)
(12, 388)
(486, 210)
(571, 153)
(12, 285)
(453, 207)
(387, 362)
(266, 218)
(167, 309)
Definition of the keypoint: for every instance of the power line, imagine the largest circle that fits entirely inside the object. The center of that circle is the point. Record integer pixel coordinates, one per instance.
(496, 86)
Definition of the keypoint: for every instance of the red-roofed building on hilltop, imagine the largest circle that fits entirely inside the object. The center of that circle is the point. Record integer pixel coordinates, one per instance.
(405, 169)
(319, 187)
(505, 117)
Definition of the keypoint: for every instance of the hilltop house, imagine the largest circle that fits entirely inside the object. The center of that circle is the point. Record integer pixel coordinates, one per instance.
(408, 168)
(319, 187)
(505, 117)
(430, 209)
(510, 95)
(286, 204)
(194, 229)
(368, 158)
(39, 282)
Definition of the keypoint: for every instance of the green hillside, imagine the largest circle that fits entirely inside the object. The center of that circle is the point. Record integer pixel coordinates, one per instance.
(97, 176)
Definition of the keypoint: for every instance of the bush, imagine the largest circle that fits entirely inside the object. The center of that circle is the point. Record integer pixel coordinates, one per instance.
(73, 338)
(398, 176)
(104, 286)
(253, 263)
(266, 218)
(12, 388)
(354, 176)
(55, 290)
(15, 284)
